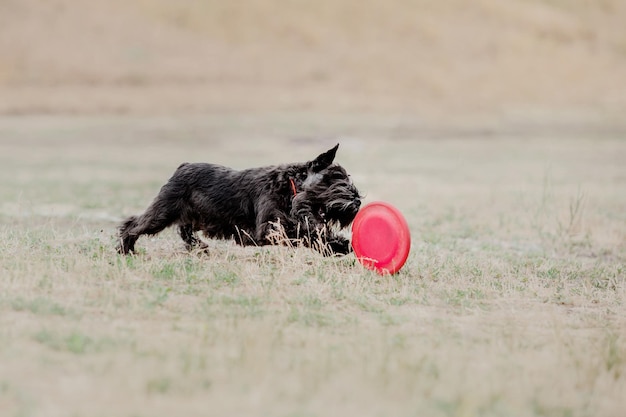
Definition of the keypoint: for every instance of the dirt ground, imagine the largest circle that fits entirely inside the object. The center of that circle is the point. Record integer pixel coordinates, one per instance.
(547, 62)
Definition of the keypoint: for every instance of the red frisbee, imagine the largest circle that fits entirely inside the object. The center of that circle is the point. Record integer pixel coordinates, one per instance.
(380, 238)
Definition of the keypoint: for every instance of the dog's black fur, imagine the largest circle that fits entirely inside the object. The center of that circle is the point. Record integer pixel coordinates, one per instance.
(303, 201)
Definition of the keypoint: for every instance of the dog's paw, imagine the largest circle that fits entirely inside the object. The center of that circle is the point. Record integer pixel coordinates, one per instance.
(197, 247)
(124, 248)
(339, 246)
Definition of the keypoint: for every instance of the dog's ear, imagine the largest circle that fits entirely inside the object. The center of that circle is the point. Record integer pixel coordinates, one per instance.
(324, 160)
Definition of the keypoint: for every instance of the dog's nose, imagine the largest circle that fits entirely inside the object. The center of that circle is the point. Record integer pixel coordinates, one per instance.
(357, 202)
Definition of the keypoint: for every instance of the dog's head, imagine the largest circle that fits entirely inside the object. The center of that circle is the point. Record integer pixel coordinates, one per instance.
(327, 192)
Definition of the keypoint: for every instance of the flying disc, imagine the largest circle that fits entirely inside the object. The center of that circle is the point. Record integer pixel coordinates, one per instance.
(380, 237)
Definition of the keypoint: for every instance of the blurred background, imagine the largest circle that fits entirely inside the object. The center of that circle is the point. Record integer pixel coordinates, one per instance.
(444, 61)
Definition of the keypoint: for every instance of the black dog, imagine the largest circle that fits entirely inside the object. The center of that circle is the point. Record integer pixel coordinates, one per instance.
(302, 202)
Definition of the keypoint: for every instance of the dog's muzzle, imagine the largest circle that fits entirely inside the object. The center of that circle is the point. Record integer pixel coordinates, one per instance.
(341, 214)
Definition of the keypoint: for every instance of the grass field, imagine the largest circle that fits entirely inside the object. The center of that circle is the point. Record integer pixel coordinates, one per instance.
(511, 303)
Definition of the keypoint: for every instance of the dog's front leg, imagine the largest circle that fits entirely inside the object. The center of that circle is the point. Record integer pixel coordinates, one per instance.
(272, 225)
(338, 244)
(322, 239)
(315, 233)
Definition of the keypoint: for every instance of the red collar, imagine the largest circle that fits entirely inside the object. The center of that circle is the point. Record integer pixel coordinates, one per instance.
(293, 187)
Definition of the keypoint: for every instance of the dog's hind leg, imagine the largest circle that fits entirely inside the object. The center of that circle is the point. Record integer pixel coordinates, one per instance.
(127, 240)
(135, 226)
(157, 217)
(188, 236)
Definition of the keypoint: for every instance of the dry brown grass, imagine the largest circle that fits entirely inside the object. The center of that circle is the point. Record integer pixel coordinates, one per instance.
(554, 59)
(511, 303)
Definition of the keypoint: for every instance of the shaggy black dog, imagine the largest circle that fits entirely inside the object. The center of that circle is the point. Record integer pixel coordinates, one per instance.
(302, 202)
